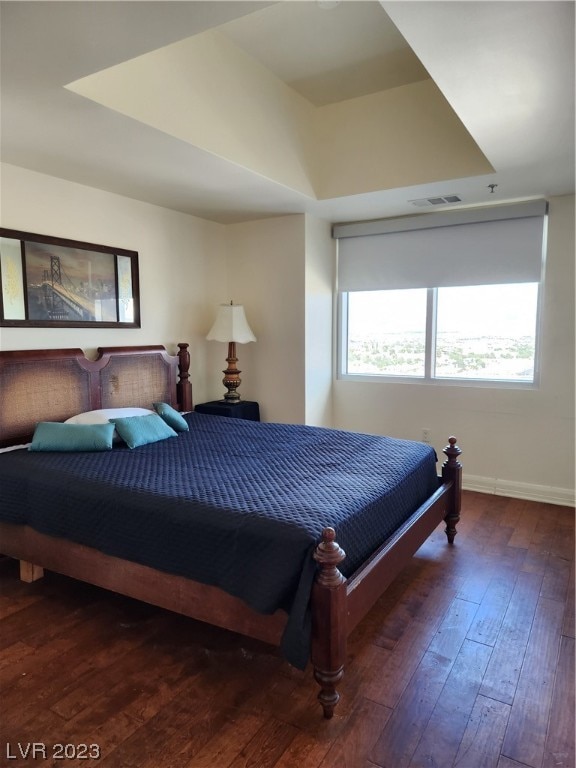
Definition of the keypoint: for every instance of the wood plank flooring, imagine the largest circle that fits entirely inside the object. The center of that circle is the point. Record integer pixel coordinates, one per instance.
(467, 661)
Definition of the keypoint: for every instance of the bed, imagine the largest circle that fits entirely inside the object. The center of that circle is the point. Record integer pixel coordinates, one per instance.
(284, 533)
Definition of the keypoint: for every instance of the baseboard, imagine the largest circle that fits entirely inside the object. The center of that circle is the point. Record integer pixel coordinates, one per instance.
(545, 493)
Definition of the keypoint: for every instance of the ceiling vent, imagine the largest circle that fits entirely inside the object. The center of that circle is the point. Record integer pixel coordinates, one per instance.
(426, 202)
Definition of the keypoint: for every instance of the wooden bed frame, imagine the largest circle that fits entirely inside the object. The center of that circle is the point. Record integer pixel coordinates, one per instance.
(52, 385)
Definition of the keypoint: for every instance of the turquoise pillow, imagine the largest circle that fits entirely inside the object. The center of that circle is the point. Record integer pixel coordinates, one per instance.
(171, 417)
(56, 436)
(141, 430)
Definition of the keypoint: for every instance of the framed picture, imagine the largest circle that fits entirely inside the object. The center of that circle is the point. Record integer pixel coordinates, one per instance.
(52, 282)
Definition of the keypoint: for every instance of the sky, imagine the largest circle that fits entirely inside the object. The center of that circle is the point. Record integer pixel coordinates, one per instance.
(495, 310)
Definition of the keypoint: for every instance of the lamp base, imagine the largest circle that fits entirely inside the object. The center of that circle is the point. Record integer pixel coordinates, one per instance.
(232, 378)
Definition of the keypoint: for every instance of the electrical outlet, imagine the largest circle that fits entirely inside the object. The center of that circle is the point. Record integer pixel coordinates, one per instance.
(426, 435)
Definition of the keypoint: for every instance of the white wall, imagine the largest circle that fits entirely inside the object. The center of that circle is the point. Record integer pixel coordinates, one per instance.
(181, 261)
(266, 274)
(515, 442)
(282, 270)
(320, 262)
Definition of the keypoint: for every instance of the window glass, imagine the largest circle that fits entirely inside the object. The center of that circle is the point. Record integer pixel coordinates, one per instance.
(387, 332)
(486, 332)
(480, 332)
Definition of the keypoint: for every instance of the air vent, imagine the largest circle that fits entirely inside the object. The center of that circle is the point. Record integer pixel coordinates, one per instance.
(426, 202)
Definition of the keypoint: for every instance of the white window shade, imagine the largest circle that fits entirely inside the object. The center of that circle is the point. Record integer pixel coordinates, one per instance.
(444, 250)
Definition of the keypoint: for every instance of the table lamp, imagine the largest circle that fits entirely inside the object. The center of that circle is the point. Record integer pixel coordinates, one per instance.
(231, 326)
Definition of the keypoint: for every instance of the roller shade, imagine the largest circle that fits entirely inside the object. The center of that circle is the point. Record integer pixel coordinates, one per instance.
(474, 247)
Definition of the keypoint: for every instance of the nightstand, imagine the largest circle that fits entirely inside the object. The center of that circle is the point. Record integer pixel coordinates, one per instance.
(244, 409)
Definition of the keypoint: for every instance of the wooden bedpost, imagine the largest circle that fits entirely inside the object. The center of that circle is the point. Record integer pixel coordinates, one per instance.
(184, 387)
(328, 621)
(452, 472)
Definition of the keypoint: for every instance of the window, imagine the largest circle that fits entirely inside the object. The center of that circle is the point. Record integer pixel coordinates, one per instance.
(481, 332)
(444, 296)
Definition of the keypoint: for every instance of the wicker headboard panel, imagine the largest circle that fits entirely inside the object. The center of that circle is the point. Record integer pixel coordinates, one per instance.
(52, 385)
(137, 378)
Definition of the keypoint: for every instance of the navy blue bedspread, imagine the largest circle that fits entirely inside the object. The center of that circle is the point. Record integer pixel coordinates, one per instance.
(233, 503)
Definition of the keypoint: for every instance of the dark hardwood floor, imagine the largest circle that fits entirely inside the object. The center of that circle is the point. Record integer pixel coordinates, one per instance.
(467, 661)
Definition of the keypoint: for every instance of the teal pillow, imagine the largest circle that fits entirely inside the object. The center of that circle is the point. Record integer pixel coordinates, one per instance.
(141, 430)
(55, 436)
(171, 417)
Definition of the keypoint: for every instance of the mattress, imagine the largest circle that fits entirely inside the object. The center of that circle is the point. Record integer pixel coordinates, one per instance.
(232, 503)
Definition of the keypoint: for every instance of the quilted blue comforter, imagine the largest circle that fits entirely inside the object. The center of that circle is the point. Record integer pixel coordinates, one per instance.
(232, 503)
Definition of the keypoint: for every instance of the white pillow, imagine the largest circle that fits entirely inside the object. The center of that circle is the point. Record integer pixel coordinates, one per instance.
(104, 415)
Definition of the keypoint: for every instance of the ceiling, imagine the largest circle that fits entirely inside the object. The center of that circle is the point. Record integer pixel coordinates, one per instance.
(331, 52)
(506, 69)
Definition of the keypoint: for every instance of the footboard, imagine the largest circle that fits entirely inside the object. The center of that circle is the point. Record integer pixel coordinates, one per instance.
(338, 605)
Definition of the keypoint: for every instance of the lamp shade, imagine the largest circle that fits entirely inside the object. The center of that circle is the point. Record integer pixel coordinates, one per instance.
(231, 325)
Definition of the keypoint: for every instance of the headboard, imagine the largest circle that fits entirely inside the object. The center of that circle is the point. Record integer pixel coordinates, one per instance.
(54, 384)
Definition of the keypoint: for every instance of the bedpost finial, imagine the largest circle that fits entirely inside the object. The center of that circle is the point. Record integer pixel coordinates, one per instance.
(328, 534)
(329, 554)
(452, 452)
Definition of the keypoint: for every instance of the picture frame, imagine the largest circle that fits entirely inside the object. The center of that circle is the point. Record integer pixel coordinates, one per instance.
(53, 282)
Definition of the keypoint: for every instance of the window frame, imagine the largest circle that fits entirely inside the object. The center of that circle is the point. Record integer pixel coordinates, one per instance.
(430, 352)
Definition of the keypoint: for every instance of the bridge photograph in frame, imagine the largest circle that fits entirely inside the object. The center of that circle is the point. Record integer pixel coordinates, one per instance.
(50, 281)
